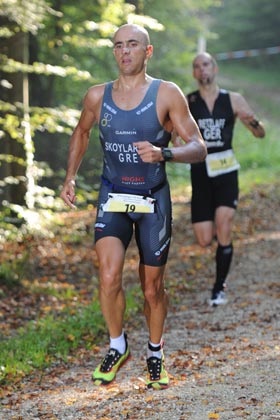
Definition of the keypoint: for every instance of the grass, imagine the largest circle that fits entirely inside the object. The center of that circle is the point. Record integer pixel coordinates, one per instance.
(259, 158)
(11, 272)
(252, 73)
(53, 338)
(47, 340)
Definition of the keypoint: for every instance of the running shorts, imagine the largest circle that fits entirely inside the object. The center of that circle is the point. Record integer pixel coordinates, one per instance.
(210, 193)
(152, 230)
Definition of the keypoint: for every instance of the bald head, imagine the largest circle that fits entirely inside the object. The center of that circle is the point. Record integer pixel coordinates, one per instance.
(133, 29)
(205, 56)
(204, 69)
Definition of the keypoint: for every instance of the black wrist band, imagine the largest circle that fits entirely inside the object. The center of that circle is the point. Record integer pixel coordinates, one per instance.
(254, 123)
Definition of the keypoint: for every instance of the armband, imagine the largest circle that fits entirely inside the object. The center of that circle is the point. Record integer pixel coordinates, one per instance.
(254, 123)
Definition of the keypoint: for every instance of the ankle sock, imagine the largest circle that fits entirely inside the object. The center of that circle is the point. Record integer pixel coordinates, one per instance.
(154, 350)
(118, 343)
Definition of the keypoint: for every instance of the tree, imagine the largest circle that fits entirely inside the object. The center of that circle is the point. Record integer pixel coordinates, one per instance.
(16, 20)
(243, 25)
(69, 48)
(20, 119)
(12, 169)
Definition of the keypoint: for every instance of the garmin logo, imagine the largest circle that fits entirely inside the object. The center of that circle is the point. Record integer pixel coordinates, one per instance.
(126, 132)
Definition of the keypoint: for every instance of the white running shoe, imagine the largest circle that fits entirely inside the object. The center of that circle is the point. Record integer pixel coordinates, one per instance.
(218, 299)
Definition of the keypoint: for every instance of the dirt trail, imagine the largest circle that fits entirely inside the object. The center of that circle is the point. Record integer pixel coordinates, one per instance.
(224, 362)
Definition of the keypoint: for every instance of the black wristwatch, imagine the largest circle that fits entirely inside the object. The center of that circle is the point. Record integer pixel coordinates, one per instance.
(166, 154)
(254, 123)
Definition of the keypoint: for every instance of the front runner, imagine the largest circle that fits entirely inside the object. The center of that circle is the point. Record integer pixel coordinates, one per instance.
(136, 115)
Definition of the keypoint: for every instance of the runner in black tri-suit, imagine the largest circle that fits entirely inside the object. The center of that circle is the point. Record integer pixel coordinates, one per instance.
(215, 181)
(136, 115)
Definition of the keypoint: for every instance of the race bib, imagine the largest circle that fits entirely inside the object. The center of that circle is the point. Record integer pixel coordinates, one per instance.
(129, 203)
(221, 163)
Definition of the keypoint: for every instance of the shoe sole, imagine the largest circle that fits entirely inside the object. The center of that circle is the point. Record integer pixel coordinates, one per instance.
(104, 382)
(214, 304)
(157, 386)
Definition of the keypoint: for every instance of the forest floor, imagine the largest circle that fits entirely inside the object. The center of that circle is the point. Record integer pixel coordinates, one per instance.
(224, 362)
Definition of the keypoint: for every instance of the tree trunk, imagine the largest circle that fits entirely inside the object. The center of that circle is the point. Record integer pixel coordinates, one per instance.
(12, 173)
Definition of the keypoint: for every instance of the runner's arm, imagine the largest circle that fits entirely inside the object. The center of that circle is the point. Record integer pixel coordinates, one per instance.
(77, 147)
(193, 148)
(246, 115)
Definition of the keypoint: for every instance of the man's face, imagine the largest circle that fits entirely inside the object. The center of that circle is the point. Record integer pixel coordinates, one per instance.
(131, 50)
(204, 70)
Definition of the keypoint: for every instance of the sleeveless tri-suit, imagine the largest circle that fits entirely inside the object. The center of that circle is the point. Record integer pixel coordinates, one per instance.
(125, 173)
(214, 181)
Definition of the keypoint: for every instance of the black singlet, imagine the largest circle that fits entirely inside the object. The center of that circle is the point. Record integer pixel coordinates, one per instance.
(217, 126)
(217, 130)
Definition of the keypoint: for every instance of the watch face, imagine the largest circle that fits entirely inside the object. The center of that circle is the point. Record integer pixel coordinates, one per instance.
(167, 154)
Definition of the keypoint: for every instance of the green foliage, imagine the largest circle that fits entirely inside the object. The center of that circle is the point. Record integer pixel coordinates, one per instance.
(11, 124)
(54, 337)
(11, 66)
(134, 304)
(175, 43)
(12, 271)
(49, 339)
(27, 15)
(70, 49)
(54, 120)
(8, 274)
(259, 83)
(243, 25)
(259, 158)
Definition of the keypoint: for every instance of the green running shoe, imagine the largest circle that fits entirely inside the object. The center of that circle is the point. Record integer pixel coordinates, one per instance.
(106, 371)
(157, 377)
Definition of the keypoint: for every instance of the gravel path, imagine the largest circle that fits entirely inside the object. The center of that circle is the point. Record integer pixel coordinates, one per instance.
(224, 362)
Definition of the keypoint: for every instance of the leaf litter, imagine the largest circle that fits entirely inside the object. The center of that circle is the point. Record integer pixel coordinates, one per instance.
(224, 363)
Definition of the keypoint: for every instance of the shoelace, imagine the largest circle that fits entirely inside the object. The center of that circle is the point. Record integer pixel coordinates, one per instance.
(110, 360)
(154, 368)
